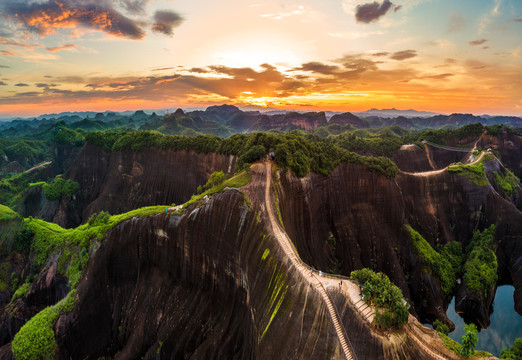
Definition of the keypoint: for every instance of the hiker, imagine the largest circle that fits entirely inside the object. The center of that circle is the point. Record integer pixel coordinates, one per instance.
(311, 273)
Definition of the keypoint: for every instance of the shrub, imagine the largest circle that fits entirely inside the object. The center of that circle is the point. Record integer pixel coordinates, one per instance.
(21, 291)
(378, 288)
(480, 269)
(445, 266)
(60, 188)
(514, 352)
(441, 327)
(217, 177)
(100, 218)
(469, 340)
(255, 153)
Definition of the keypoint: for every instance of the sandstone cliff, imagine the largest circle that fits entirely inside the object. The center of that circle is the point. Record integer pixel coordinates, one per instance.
(123, 180)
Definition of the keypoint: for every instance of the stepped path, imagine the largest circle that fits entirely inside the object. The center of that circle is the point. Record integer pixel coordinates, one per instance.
(314, 279)
(433, 172)
(322, 282)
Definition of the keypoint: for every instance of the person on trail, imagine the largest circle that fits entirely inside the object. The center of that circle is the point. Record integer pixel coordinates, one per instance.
(311, 273)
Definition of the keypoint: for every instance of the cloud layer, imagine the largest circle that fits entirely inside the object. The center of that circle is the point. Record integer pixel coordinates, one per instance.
(48, 17)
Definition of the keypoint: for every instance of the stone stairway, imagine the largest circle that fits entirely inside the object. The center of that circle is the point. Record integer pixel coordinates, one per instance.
(289, 250)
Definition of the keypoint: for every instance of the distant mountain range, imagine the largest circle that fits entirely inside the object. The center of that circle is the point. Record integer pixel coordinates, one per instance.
(391, 113)
(382, 113)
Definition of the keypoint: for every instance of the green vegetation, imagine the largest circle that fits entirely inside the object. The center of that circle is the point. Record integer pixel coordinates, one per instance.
(296, 151)
(49, 237)
(454, 346)
(507, 181)
(440, 327)
(35, 340)
(379, 145)
(13, 187)
(6, 214)
(469, 340)
(441, 136)
(60, 188)
(514, 352)
(446, 265)
(377, 288)
(480, 269)
(237, 181)
(21, 291)
(474, 173)
(216, 178)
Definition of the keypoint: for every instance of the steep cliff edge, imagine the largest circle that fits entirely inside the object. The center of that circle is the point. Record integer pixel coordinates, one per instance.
(207, 284)
(354, 218)
(124, 180)
(206, 281)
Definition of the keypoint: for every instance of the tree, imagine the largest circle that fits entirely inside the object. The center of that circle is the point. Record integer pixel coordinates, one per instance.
(514, 352)
(469, 340)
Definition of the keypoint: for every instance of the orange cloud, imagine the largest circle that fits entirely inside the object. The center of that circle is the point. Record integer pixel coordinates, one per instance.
(45, 18)
(63, 47)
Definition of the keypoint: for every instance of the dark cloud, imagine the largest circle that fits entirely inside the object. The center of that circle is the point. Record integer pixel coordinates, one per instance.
(62, 47)
(43, 85)
(403, 55)
(319, 68)
(46, 17)
(2, 83)
(379, 54)
(519, 19)
(7, 53)
(456, 22)
(477, 42)
(366, 13)
(198, 70)
(4, 67)
(21, 84)
(165, 21)
(133, 6)
(450, 61)
(397, 8)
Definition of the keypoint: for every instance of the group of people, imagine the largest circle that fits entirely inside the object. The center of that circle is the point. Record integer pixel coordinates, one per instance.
(321, 274)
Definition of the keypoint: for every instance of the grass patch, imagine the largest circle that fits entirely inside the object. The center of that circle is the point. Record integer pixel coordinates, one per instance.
(21, 291)
(7, 214)
(35, 340)
(474, 173)
(237, 181)
(508, 182)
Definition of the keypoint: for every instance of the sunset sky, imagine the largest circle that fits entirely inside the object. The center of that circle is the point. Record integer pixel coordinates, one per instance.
(342, 55)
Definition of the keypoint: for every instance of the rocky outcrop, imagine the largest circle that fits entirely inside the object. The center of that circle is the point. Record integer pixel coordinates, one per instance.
(349, 119)
(35, 204)
(411, 158)
(366, 213)
(47, 289)
(124, 180)
(509, 147)
(208, 284)
(306, 121)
